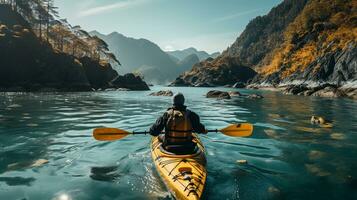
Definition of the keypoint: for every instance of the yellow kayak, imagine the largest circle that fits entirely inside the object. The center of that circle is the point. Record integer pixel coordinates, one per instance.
(183, 175)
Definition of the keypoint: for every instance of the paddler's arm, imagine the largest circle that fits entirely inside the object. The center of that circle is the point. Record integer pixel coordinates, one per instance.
(196, 123)
(159, 125)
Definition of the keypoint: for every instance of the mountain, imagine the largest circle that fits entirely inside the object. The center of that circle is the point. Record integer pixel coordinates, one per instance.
(305, 47)
(182, 54)
(142, 56)
(187, 63)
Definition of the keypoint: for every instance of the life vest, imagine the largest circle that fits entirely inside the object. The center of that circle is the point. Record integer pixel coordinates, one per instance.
(178, 128)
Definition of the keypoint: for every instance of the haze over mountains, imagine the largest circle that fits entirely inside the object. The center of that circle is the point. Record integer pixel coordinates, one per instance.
(182, 54)
(145, 57)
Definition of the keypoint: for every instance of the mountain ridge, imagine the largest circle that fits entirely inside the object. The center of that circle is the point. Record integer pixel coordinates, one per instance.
(182, 54)
(144, 57)
(298, 42)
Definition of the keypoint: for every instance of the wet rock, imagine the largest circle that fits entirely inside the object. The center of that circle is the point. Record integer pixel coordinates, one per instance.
(110, 89)
(239, 85)
(218, 94)
(350, 92)
(234, 93)
(203, 85)
(328, 92)
(255, 96)
(123, 89)
(295, 89)
(167, 93)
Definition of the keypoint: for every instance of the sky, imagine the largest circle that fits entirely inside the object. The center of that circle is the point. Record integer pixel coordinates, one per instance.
(209, 25)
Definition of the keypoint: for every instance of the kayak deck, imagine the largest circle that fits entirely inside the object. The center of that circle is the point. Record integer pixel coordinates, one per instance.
(183, 175)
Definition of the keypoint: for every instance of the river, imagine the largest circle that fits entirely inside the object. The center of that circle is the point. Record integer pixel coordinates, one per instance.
(47, 150)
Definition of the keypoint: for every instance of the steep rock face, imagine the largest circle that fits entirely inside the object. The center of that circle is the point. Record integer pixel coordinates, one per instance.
(336, 68)
(130, 81)
(99, 74)
(215, 72)
(261, 36)
(299, 42)
(265, 33)
(27, 64)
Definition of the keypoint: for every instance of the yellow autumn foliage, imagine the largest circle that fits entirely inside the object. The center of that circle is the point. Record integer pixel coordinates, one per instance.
(341, 14)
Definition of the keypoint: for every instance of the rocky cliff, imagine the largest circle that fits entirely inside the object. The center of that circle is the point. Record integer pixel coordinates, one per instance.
(305, 42)
(30, 64)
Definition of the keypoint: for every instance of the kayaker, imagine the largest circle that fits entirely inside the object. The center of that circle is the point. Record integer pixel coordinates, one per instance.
(179, 123)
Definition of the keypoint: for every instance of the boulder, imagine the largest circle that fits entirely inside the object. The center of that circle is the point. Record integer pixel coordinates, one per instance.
(296, 89)
(328, 92)
(255, 96)
(130, 81)
(218, 94)
(167, 93)
(234, 93)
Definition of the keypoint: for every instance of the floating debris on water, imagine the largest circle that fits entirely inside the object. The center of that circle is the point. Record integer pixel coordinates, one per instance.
(242, 162)
(14, 106)
(307, 129)
(314, 155)
(275, 116)
(273, 190)
(271, 133)
(316, 170)
(338, 136)
(39, 163)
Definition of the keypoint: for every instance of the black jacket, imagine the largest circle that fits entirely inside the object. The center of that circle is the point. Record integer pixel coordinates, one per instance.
(161, 122)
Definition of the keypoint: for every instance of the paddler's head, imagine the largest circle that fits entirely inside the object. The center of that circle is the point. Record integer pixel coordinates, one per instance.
(178, 100)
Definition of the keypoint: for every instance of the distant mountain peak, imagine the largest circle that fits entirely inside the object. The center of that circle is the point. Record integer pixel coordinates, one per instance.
(182, 54)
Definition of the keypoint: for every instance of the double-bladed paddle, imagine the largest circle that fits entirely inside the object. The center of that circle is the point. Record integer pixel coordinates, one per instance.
(111, 134)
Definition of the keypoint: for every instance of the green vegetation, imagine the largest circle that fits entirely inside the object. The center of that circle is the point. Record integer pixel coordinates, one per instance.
(44, 20)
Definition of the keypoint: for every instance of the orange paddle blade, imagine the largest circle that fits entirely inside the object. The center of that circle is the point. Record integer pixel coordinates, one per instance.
(238, 130)
(109, 134)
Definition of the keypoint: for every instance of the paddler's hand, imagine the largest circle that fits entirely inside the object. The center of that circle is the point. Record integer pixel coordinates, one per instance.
(205, 132)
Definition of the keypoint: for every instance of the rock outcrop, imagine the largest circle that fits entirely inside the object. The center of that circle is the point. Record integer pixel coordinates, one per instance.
(131, 82)
(215, 73)
(28, 63)
(302, 43)
(218, 94)
(167, 93)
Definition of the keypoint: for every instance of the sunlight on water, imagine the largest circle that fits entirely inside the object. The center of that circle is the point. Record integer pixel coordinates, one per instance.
(47, 150)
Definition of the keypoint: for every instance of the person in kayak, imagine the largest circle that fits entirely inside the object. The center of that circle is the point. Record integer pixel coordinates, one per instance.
(179, 123)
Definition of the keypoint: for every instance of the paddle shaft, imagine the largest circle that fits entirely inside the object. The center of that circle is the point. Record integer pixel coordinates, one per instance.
(147, 132)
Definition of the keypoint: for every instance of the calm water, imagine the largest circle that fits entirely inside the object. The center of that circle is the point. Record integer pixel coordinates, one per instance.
(288, 158)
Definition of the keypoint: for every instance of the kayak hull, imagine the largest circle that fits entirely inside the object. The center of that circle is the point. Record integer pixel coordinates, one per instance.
(183, 175)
